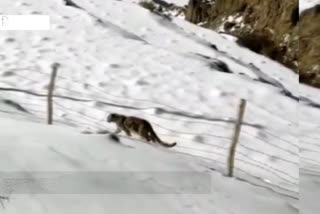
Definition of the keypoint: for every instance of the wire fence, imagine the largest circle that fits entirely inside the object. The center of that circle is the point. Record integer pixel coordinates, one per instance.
(260, 149)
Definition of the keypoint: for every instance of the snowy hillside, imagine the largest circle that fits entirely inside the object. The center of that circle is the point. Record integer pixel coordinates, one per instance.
(187, 81)
(134, 177)
(306, 4)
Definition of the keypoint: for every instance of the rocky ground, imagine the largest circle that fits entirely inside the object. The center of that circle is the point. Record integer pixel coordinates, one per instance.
(268, 27)
(309, 47)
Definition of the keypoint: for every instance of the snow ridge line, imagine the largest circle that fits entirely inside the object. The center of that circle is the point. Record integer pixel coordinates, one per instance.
(264, 78)
(310, 102)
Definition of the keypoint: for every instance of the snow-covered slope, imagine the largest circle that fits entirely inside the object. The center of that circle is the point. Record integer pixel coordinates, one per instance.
(309, 190)
(309, 139)
(187, 81)
(306, 4)
(118, 57)
(53, 169)
(178, 2)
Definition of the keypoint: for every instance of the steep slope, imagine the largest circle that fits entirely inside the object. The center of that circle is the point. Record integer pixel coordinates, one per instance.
(167, 72)
(307, 4)
(309, 189)
(268, 27)
(51, 169)
(309, 48)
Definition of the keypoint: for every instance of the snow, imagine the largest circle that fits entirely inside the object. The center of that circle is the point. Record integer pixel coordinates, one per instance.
(306, 4)
(309, 190)
(116, 56)
(178, 2)
(156, 183)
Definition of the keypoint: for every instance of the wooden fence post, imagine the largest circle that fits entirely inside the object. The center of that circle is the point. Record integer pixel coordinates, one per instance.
(235, 138)
(54, 67)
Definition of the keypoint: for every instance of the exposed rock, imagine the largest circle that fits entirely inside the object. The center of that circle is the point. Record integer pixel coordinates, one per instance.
(269, 27)
(309, 47)
(163, 8)
(198, 11)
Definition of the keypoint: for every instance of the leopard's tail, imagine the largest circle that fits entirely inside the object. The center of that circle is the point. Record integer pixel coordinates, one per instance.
(152, 132)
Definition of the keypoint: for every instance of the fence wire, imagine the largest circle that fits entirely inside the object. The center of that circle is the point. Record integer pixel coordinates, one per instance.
(73, 108)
